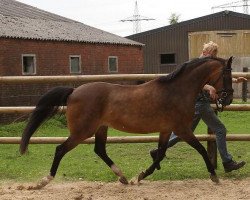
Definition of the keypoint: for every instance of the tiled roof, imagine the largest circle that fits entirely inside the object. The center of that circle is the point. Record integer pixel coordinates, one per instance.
(17, 9)
(18, 20)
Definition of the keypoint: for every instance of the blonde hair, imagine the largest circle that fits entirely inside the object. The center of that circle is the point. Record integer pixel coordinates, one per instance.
(210, 49)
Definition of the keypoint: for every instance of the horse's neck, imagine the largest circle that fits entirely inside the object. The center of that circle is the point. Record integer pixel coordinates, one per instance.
(193, 81)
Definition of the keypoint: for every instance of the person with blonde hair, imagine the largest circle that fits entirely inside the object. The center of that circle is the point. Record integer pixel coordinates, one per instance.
(204, 111)
(209, 49)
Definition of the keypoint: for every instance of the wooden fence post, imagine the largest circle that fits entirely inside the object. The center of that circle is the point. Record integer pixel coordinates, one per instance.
(244, 87)
(212, 148)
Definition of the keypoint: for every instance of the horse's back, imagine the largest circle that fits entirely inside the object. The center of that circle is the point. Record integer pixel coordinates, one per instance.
(89, 96)
(100, 90)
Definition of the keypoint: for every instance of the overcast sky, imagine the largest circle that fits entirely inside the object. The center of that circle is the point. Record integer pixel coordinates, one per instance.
(106, 14)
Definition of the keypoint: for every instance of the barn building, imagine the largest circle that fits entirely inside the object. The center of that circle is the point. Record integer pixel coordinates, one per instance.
(169, 46)
(35, 42)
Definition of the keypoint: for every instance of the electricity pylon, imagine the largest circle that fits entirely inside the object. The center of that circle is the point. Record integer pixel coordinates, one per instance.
(136, 19)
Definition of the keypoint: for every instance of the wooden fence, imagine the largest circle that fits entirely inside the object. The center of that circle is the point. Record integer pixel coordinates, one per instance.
(90, 78)
(124, 139)
(210, 138)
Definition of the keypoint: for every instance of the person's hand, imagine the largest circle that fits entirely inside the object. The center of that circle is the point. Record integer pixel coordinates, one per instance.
(239, 79)
(212, 91)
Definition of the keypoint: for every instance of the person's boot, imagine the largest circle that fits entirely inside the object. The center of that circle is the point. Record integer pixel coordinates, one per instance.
(233, 165)
(153, 154)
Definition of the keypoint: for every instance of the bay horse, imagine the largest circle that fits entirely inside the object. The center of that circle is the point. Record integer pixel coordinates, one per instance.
(162, 105)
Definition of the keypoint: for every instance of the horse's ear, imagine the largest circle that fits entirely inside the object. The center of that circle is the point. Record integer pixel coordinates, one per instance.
(229, 62)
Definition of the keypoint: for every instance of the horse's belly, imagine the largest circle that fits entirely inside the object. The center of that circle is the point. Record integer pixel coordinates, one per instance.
(137, 121)
(143, 128)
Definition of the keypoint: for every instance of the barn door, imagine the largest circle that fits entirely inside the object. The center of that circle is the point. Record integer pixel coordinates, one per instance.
(227, 41)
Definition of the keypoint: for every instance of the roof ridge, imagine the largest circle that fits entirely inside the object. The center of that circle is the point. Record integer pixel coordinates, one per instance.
(225, 12)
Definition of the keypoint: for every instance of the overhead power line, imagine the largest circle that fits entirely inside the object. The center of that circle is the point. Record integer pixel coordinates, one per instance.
(237, 4)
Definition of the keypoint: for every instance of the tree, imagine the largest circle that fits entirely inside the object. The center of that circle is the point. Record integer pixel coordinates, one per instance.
(174, 18)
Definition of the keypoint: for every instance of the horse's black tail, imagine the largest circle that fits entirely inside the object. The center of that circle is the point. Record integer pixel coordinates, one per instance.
(47, 106)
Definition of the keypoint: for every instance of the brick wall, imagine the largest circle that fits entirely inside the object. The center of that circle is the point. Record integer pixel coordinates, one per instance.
(52, 58)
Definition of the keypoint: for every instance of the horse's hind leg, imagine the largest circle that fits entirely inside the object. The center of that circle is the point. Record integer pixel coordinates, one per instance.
(100, 150)
(61, 150)
(162, 147)
(194, 142)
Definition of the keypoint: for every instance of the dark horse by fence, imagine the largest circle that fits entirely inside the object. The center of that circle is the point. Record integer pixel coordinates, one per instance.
(162, 105)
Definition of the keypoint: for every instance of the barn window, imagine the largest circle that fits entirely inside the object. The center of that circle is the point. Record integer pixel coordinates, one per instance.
(113, 64)
(75, 64)
(168, 58)
(29, 64)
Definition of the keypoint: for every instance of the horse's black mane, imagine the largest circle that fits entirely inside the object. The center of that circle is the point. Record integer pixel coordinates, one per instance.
(191, 63)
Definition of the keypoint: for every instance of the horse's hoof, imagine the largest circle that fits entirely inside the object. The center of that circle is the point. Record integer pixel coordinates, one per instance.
(141, 176)
(41, 183)
(158, 167)
(214, 178)
(123, 180)
(134, 181)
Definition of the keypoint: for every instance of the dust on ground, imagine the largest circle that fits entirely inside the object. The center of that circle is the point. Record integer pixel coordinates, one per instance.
(146, 190)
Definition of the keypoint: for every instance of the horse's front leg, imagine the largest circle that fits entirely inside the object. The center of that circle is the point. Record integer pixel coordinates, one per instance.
(189, 137)
(100, 150)
(162, 147)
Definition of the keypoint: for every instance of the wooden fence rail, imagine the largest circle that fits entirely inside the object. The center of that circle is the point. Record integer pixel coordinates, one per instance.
(119, 140)
(28, 109)
(91, 78)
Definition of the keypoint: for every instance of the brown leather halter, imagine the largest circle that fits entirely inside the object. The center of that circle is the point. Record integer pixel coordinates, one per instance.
(226, 90)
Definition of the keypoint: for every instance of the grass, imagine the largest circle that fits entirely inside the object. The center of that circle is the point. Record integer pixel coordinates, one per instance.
(182, 161)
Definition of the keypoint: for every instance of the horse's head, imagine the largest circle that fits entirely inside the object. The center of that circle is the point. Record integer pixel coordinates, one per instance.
(223, 84)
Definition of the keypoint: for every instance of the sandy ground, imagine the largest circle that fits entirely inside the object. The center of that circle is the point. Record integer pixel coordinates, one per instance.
(146, 190)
